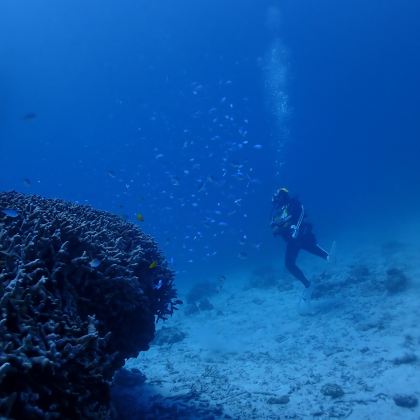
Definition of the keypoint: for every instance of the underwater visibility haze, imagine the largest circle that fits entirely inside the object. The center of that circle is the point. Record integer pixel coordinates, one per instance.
(183, 118)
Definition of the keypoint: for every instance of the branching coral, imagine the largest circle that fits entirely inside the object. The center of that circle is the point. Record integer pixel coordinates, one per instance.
(77, 297)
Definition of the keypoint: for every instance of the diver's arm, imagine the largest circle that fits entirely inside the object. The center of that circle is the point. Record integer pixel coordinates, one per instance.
(277, 223)
(275, 210)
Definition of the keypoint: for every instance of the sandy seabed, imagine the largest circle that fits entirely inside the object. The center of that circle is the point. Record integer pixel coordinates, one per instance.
(260, 354)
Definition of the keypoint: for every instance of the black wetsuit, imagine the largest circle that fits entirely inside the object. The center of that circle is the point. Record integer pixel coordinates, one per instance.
(288, 221)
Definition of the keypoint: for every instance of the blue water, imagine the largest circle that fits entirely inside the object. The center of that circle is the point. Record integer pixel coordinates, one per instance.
(193, 112)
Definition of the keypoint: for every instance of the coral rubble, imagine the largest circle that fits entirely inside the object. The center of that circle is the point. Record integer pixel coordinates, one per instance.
(77, 297)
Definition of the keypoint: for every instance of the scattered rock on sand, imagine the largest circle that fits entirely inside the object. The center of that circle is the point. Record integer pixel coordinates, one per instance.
(405, 359)
(284, 399)
(396, 281)
(129, 377)
(332, 390)
(168, 335)
(264, 277)
(204, 290)
(191, 309)
(405, 400)
(205, 305)
(393, 247)
(359, 273)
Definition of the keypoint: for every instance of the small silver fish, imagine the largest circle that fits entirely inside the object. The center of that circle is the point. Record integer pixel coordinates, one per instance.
(10, 212)
(175, 181)
(29, 116)
(95, 263)
(158, 285)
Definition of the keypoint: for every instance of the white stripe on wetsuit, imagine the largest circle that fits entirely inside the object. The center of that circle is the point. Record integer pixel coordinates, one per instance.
(300, 219)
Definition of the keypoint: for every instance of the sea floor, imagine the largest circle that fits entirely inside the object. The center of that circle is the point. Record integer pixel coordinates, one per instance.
(260, 354)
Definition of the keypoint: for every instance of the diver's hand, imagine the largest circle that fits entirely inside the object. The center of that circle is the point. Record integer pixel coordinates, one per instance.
(295, 231)
(275, 228)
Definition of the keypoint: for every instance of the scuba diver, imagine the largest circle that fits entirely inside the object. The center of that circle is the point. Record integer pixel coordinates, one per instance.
(288, 221)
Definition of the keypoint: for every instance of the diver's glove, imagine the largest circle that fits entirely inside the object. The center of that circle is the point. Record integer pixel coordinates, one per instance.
(275, 228)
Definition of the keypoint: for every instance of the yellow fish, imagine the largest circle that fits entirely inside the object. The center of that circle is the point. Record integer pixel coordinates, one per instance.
(139, 217)
(153, 264)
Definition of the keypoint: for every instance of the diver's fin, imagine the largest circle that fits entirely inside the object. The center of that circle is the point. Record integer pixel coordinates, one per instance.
(332, 256)
(305, 304)
(308, 292)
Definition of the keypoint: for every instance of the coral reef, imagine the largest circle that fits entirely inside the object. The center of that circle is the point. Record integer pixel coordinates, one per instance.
(77, 297)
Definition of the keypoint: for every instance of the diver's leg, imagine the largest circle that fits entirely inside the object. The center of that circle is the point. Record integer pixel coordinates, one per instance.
(309, 244)
(317, 250)
(292, 251)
